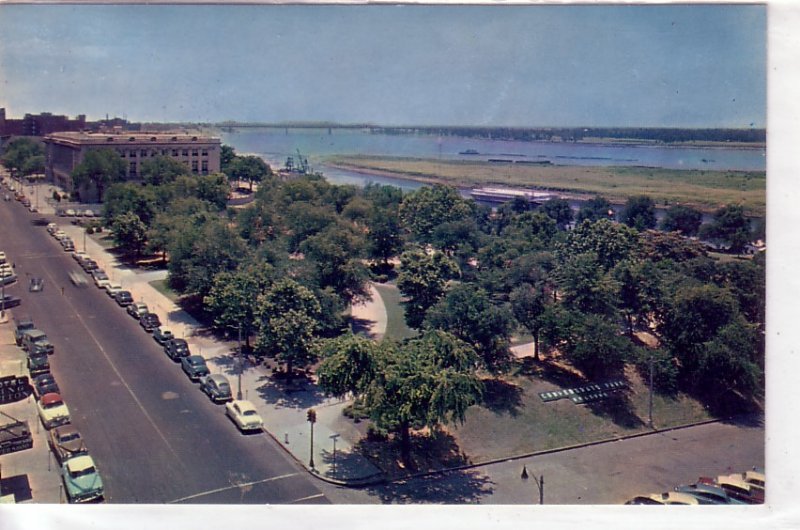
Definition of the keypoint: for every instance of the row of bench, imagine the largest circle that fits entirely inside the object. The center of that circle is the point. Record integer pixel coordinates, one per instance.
(583, 394)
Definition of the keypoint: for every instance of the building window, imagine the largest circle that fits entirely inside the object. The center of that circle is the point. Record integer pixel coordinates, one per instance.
(185, 152)
(122, 153)
(194, 152)
(132, 153)
(143, 153)
(194, 166)
(174, 152)
(164, 152)
(205, 167)
(204, 152)
(132, 169)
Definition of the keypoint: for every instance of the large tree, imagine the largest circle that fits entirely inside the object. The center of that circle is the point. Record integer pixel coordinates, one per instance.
(287, 318)
(560, 211)
(639, 212)
(99, 168)
(251, 169)
(682, 219)
(422, 280)
(19, 152)
(595, 346)
(730, 227)
(128, 197)
(335, 254)
(610, 242)
(467, 313)
(430, 206)
(585, 286)
(130, 233)
(594, 209)
(162, 170)
(529, 304)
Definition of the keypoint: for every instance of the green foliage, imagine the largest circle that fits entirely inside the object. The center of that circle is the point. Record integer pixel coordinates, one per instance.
(559, 211)
(595, 347)
(585, 286)
(336, 254)
(233, 297)
(730, 227)
(287, 319)
(383, 239)
(20, 154)
(126, 197)
(594, 209)
(639, 212)
(658, 246)
(348, 365)
(468, 314)
(162, 170)
(639, 292)
(422, 280)
(611, 242)
(99, 168)
(428, 207)
(682, 219)
(226, 157)
(130, 233)
(529, 305)
(251, 169)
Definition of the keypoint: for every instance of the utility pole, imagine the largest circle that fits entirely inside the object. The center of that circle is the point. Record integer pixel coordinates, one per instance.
(241, 364)
(651, 393)
(311, 416)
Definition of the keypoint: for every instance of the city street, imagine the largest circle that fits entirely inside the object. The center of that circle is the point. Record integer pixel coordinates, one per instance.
(154, 436)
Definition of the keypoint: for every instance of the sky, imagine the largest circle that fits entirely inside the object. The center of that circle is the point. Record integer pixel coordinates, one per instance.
(534, 66)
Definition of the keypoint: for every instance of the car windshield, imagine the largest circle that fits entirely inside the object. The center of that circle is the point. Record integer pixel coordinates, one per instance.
(248, 413)
(224, 387)
(53, 404)
(68, 437)
(83, 472)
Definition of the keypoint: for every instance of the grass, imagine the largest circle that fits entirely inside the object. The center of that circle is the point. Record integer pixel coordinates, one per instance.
(163, 287)
(704, 190)
(396, 327)
(104, 239)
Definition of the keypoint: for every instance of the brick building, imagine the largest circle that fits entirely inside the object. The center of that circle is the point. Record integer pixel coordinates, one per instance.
(39, 124)
(64, 151)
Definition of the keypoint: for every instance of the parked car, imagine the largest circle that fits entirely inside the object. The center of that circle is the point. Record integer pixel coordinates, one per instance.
(708, 494)
(36, 341)
(162, 335)
(123, 298)
(36, 285)
(194, 366)
(68, 245)
(217, 388)
(101, 279)
(149, 321)
(82, 482)
(52, 410)
(244, 415)
(22, 325)
(176, 349)
(79, 255)
(137, 309)
(8, 301)
(52, 228)
(38, 363)
(44, 384)
(89, 265)
(112, 289)
(2, 256)
(66, 442)
(70, 212)
(674, 497)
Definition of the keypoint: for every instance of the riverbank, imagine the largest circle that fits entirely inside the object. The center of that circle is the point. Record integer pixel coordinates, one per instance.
(704, 190)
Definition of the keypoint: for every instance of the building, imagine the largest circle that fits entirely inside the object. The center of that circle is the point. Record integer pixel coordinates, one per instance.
(39, 124)
(64, 151)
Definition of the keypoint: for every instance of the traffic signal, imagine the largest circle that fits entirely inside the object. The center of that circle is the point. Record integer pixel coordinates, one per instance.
(311, 415)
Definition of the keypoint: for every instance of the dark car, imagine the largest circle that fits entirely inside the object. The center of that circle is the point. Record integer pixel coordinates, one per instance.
(123, 298)
(216, 387)
(89, 265)
(66, 442)
(38, 363)
(149, 321)
(22, 325)
(36, 285)
(9, 301)
(44, 384)
(194, 366)
(176, 348)
(162, 335)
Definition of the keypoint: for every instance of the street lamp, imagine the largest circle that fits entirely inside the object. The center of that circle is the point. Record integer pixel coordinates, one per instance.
(539, 483)
(311, 416)
(241, 364)
(651, 392)
(334, 437)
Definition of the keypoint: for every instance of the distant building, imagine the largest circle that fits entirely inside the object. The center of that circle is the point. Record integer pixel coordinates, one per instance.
(64, 151)
(39, 124)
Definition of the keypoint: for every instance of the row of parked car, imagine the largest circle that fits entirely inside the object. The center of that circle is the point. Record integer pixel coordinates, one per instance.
(216, 386)
(748, 487)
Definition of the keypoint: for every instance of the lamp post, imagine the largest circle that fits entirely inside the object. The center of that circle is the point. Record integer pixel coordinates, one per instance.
(539, 483)
(334, 437)
(311, 416)
(651, 393)
(241, 364)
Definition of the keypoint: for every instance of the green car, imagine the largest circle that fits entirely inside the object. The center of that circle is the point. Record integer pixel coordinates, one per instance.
(81, 479)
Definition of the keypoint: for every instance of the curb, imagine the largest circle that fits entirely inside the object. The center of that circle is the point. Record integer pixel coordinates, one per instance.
(557, 450)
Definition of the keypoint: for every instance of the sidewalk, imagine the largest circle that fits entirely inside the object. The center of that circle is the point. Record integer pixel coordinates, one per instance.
(283, 410)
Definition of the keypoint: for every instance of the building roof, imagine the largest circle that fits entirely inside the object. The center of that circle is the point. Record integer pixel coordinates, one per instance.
(115, 138)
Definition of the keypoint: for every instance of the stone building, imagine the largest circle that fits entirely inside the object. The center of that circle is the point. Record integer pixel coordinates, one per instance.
(64, 151)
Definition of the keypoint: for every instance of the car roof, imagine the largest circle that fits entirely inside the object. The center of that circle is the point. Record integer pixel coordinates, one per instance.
(50, 398)
(218, 378)
(244, 405)
(65, 429)
(79, 463)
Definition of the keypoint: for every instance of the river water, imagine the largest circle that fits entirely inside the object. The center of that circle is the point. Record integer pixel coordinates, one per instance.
(276, 144)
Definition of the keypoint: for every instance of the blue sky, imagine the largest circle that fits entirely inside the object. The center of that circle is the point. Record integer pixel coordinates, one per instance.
(686, 66)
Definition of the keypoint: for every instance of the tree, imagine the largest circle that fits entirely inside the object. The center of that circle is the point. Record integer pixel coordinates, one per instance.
(349, 364)
(233, 297)
(467, 313)
(335, 254)
(19, 152)
(609, 241)
(682, 219)
(286, 317)
(639, 212)
(162, 170)
(558, 210)
(422, 280)
(639, 291)
(226, 157)
(33, 165)
(595, 347)
(99, 168)
(127, 197)
(130, 233)
(730, 227)
(418, 384)
(585, 286)
(430, 206)
(251, 169)
(529, 304)
(383, 239)
(594, 210)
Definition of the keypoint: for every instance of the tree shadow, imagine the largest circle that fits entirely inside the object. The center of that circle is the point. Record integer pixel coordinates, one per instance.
(455, 487)
(550, 372)
(361, 326)
(751, 420)
(617, 408)
(17, 485)
(502, 397)
(300, 393)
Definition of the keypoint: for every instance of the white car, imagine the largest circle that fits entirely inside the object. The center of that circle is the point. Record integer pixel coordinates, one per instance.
(2, 257)
(58, 234)
(112, 289)
(52, 228)
(52, 410)
(79, 255)
(244, 415)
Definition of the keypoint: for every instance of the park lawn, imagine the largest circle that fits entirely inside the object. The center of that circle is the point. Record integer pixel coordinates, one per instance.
(515, 421)
(104, 239)
(396, 327)
(163, 287)
(704, 190)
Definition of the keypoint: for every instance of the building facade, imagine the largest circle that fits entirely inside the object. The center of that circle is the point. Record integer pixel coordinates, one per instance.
(39, 124)
(64, 151)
